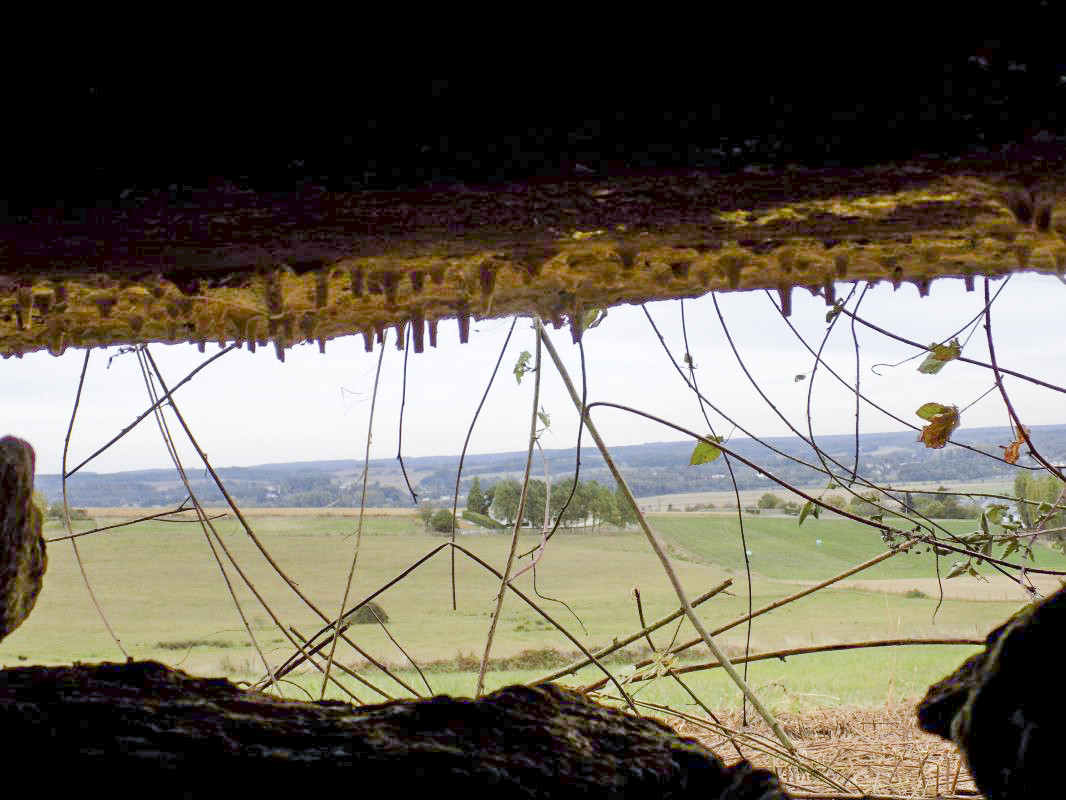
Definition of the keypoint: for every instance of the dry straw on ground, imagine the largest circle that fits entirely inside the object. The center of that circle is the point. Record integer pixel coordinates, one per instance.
(872, 752)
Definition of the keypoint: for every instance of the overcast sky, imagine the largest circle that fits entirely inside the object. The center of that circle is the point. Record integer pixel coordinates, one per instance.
(248, 409)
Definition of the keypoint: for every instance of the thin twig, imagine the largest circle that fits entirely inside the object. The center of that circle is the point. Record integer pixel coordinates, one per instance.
(577, 474)
(255, 539)
(618, 644)
(858, 393)
(362, 511)
(866, 399)
(347, 670)
(179, 510)
(66, 510)
(483, 668)
(400, 647)
(788, 456)
(466, 443)
(657, 548)
(592, 658)
(780, 602)
(809, 438)
(550, 620)
(164, 431)
(637, 677)
(403, 402)
(732, 479)
(962, 359)
(880, 526)
(804, 651)
(1021, 429)
(156, 405)
(759, 743)
(302, 656)
(544, 528)
(315, 646)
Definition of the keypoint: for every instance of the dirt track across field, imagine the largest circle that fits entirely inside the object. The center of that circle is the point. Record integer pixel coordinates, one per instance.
(996, 587)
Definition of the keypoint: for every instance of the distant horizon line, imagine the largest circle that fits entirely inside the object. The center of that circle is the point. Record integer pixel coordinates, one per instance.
(356, 461)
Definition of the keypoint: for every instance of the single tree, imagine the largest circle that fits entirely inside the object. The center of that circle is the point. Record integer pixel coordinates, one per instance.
(768, 501)
(425, 512)
(536, 498)
(442, 521)
(475, 499)
(505, 500)
(626, 514)
(1046, 490)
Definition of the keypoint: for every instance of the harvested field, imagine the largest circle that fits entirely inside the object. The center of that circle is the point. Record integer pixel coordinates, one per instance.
(995, 587)
(134, 513)
(871, 752)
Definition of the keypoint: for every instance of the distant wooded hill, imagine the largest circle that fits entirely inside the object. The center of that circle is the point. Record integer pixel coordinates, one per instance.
(650, 469)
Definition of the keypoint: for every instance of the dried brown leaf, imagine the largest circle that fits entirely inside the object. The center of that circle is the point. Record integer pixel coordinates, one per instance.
(941, 425)
(1010, 451)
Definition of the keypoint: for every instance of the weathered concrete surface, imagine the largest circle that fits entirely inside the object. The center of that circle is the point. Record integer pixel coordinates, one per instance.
(225, 264)
(142, 721)
(1003, 706)
(22, 555)
(263, 216)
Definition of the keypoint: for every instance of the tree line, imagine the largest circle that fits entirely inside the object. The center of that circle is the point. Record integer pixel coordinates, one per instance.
(591, 506)
(941, 504)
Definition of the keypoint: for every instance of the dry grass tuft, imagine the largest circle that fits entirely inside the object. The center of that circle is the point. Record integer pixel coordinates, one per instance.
(878, 752)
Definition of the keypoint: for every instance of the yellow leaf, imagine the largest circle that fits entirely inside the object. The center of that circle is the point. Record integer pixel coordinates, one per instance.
(704, 453)
(939, 355)
(1010, 452)
(941, 425)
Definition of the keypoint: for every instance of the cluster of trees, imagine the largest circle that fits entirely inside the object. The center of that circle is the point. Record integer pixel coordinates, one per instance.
(941, 505)
(1047, 492)
(664, 468)
(439, 521)
(592, 504)
(935, 505)
(478, 501)
(55, 510)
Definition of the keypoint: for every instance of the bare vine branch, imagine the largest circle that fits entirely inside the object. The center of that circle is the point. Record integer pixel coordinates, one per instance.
(657, 548)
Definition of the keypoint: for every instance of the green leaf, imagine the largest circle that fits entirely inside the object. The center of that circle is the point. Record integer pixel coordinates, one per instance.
(592, 318)
(521, 366)
(939, 355)
(984, 522)
(942, 421)
(705, 453)
(836, 309)
(542, 415)
(930, 410)
(810, 509)
(995, 513)
(959, 568)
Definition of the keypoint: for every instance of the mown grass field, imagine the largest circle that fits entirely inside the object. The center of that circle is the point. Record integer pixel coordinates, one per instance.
(164, 596)
(781, 548)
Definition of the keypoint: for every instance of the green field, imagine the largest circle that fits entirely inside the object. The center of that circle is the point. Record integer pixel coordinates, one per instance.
(781, 548)
(165, 598)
